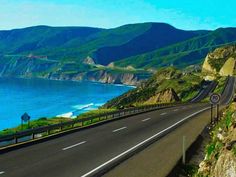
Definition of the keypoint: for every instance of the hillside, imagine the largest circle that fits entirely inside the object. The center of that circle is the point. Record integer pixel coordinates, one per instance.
(104, 45)
(28, 40)
(167, 85)
(192, 51)
(220, 62)
(126, 54)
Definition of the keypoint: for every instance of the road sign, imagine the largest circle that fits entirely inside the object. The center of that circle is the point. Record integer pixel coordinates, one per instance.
(25, 117)
(215, 98)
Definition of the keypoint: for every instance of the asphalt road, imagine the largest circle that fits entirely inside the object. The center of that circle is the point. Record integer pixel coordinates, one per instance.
(205, 92)
(229, 91)
(86, 152)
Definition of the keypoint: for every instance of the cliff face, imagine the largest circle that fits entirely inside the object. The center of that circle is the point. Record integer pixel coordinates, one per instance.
(26, 67)
(165, 96)
(220, 62)
(99, 76)
(114, 78)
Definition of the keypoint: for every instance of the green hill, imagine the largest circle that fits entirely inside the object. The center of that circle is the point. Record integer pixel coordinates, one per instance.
(167, 85)
(183, 54)
(79, 53)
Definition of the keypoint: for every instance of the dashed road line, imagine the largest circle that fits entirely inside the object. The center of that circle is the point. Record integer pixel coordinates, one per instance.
(2, 172)
(164, 113)
(142, 143)
(72, 146)
(144, 120)
(119, 129)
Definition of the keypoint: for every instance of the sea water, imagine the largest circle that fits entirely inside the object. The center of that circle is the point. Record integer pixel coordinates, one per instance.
(46, 98)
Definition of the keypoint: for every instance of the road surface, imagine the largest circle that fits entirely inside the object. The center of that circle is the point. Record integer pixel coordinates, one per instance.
(89, 151)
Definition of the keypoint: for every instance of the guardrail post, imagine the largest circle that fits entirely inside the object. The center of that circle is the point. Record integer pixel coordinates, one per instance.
(184, 150)
(15, 139)
(61, 126)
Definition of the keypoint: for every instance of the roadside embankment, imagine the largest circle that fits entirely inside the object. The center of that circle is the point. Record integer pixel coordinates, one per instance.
(217, 151)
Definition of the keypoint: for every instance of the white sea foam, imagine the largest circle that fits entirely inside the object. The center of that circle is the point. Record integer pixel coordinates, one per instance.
(98, 104)
(82, 106)
(66, 115)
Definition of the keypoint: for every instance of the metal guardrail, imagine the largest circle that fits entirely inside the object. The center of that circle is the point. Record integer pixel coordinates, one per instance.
(30, 134)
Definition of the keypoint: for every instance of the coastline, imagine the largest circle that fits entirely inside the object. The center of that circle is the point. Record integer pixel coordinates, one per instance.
(77, 108)
(66, 80)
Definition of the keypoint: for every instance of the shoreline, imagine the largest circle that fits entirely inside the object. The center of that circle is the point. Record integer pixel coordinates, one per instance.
(75, 109)
(65, 80)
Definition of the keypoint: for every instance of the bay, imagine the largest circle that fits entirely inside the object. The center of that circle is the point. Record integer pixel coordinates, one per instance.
(47, 98)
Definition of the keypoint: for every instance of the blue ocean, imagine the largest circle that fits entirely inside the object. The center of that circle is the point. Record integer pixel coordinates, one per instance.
(44, 98)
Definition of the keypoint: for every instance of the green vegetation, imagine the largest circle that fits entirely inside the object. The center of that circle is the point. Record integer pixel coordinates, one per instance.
(34, 124)
(170, 84)
(221, 84)
(60, 51)
(55, 120)
(184, 53)
(222, 134)
(217, 63)
(94, 113)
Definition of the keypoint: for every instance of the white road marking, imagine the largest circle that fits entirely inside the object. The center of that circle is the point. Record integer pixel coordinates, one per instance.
(119, 129)
(176, 109)
(142, 143)
(144, 120)
(164, 113)
(69, 147)
(2, 172)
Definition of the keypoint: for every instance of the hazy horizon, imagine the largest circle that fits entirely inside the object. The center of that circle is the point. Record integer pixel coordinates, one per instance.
(113, 13)
(71, 26)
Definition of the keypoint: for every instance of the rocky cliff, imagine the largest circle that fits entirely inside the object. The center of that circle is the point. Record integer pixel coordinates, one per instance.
(220, 62)
(101, 76)
(28, 67)
(166, 96)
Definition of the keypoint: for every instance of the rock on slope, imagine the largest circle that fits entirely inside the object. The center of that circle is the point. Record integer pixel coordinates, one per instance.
(220, 159)
(166, 96)
(167, 85)
(220, 62)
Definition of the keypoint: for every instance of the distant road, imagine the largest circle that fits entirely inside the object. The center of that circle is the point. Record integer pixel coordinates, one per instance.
(89, 151)
(204, 92)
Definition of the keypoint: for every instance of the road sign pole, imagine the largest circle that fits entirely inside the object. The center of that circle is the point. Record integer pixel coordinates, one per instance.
(217, 111)
(211, 113)
(184, 151)
(215, 100)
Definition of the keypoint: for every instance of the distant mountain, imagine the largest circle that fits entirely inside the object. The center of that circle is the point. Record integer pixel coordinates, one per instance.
(42, 37)
(103, 45)
(182, 54)
(155, 36)
(80, 53)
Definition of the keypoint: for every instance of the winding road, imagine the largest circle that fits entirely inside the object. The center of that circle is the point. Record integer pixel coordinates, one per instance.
(92, 151)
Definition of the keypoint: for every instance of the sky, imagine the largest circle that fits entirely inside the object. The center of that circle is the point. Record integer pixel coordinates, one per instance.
(184, 14)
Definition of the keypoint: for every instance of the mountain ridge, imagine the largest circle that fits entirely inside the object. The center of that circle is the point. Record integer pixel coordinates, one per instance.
(139, 49)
